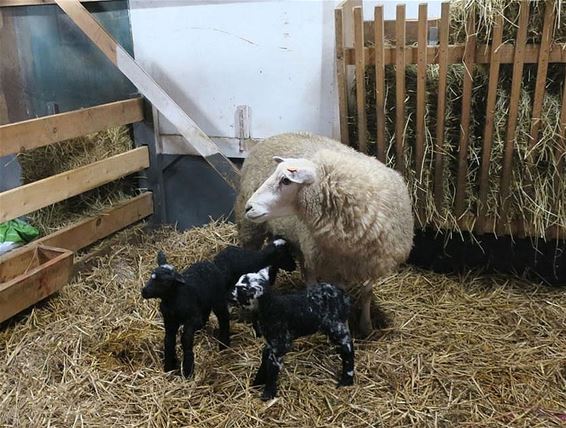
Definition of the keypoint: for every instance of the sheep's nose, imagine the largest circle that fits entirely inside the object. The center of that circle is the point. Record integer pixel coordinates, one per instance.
(248, 207)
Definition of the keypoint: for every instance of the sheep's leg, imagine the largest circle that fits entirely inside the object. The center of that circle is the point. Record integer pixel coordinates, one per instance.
(169, 354)
(365, 324)
(251, 235)
(187, 339)
(273, 366)
(340, 335)
(260, 376)
(223, 315)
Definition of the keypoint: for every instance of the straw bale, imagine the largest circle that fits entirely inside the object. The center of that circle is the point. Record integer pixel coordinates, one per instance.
(460, 352)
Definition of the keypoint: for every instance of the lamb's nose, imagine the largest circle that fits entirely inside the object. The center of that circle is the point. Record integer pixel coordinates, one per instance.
(248, 207)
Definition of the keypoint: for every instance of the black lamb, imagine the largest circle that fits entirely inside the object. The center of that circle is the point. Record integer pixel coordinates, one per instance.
(285, 317)
(187, 299)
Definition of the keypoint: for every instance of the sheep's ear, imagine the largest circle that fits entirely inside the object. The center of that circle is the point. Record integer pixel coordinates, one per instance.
(304, 174)
(161, 259)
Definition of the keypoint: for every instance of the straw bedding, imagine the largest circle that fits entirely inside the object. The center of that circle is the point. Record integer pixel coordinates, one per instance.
(463, 351)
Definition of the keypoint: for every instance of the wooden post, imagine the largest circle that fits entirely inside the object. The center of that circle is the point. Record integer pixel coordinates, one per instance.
(488, 129)
(379, 83)
(507, 172)
(444, 32)
(400, 88)
(422, 41)
(360, 79)
(469, 55)
(152, 91)
(341, 74)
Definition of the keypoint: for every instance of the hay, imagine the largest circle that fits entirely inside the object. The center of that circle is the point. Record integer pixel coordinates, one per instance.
(461, 352)
(66, 155)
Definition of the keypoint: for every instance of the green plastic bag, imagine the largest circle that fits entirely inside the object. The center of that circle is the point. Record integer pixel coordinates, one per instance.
(14, 233)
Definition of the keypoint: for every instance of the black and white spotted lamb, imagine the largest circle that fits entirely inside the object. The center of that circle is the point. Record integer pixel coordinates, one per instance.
(285, 317)
(187, 298)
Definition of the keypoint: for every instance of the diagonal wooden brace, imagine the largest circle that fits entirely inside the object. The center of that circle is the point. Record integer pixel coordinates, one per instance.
(152, 91)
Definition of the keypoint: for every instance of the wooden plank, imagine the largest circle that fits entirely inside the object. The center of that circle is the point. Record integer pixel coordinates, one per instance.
(466, 115)
(513, 111)
(379, 39)
(152, 91)
(421, 101)
(456, 54)
(560, 154)
(30, 197)
(30, 134)
(542, 70)
(37, 284)
(86, 232)
(341, 75)
(6, 3)
(488, 129)
(360, 79)
(400, 88)
(444, 32)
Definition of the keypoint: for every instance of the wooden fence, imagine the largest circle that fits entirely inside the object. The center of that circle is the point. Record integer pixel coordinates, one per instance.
(379, 43)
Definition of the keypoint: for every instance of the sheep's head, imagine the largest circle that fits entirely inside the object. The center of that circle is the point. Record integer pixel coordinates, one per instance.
(250, 287)
(277, 196)
(163, 280)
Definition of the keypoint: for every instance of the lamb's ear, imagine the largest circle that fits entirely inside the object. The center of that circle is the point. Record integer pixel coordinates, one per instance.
(161, 259)
(180, 278)
(278, 159)
(264, 274)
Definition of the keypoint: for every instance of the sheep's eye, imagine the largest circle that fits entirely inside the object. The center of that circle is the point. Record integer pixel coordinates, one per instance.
(285, 181)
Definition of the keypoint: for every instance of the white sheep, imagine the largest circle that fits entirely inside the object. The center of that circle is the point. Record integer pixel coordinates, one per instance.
(348, 214)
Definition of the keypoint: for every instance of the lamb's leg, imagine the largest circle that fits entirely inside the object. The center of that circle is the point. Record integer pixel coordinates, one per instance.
(169, 355)
(272, 367)
(365, 325)
(260, 376)
(223, 315)
(255, 324)
(188, 356)
(340, 335)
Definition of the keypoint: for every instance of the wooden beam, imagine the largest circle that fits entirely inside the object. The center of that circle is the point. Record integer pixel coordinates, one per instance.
(152, 91)
(360, 79)
(30, 134)
(341, 75)
(30, 197)
(86, 232)
(5, 3)
(379, 39)
(456, 54)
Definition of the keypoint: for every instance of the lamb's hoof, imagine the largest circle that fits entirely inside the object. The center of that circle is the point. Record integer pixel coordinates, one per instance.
(345, 381)
(258, 381)
(188, 372)
(170, 366)
(365, 328)
(224, 344)
(267, 395)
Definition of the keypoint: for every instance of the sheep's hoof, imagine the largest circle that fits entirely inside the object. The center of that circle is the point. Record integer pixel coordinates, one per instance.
(365, 328)
(345, 381)
(268, 394)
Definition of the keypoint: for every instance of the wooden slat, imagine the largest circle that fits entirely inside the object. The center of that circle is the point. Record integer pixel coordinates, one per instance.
(86, 232)
(560, 154)
(444, 32)
(400, 88)
(341, 75)
(456, 54)
(5, 3)
(513, 111)
(488, 129)
(30, 134)
(30, 197)
(379, 83)
(466, 115)
(421, 101)
(152, 91)
(360, 79)
(542, 69)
